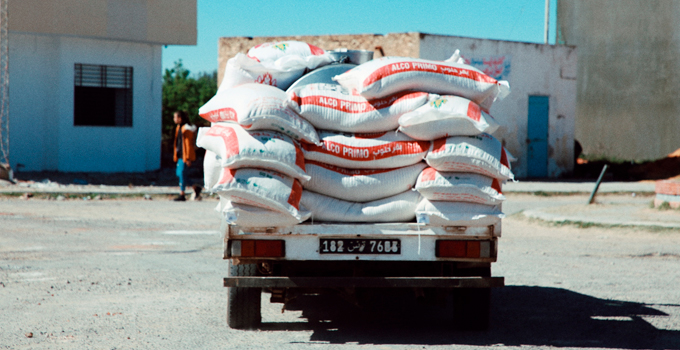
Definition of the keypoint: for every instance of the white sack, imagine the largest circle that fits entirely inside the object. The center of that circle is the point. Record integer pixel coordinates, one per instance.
(459, 187)
(399, 208)
(360, 185)
(261, 188)
(482, 154)
(212, 168)
(332, 107)
(441, 213)
(258, 107)
(277, 64)
(275, 51)
(367, 151)
(238, 148)
(388, 75)
(445, 116)
(249, 216)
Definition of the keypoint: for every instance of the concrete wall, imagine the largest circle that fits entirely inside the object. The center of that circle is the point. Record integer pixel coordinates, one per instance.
(628, 75)
(396, 44)
(167, 22)
(42, 134)
(531, 69)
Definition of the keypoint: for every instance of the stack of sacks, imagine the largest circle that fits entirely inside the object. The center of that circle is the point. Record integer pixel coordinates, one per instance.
(363, 171)
(254, 159)
(377, 133)
(277, 64)
(462, 186)
(257, 175)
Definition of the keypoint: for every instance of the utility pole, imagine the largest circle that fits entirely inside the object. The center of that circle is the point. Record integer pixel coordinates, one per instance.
(5, 170)
(547, 21)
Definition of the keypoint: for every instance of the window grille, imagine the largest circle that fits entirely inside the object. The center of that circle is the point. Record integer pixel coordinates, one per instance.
(102, 95)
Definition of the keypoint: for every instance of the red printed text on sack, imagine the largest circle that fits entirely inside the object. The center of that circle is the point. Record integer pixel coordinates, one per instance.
(400, 67)
(391, 149)
(221, 115)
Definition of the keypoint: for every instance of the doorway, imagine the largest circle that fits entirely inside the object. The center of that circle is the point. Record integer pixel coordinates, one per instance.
(537, 136)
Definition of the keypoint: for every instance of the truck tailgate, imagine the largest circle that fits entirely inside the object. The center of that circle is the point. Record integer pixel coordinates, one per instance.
(374, 241)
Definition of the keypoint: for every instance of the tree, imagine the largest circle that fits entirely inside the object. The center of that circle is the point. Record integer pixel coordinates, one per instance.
(181, 91)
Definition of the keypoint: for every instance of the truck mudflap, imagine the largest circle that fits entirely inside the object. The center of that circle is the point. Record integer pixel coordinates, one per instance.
(364, 282)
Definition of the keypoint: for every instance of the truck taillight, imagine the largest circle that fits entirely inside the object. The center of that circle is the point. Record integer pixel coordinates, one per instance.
(463, 249)
(251, 248)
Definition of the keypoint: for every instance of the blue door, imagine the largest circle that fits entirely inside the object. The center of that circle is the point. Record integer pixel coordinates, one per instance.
(537, 136)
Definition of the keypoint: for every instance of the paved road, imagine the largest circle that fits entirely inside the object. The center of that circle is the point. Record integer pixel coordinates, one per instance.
(135, 274)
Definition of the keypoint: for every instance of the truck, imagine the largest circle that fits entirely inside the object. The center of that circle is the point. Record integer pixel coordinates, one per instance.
(359, 258)
(434, 261)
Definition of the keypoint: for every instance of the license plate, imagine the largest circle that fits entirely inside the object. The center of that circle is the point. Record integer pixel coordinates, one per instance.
(359, 246)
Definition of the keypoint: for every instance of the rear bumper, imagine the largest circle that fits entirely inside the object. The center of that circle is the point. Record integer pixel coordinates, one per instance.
(364, 282)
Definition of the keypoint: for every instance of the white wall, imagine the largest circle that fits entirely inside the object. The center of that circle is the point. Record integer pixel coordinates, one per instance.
(533, 70)
(42, 134)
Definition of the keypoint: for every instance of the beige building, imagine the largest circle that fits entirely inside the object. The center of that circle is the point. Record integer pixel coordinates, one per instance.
(628, 75)
(85, 81)
(537, 118)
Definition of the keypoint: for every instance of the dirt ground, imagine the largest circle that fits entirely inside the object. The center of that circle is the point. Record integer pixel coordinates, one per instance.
(136, 274)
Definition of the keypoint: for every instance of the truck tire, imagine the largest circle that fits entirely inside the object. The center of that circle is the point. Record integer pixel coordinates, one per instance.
(243, 304)
(471, 308)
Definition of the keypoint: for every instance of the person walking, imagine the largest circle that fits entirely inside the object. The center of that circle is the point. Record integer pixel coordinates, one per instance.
(184, 149)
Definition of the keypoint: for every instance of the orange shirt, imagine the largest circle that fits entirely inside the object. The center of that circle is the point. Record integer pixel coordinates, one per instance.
(188, 143)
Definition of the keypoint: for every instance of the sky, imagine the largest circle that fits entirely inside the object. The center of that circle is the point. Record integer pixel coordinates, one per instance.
(513, 20)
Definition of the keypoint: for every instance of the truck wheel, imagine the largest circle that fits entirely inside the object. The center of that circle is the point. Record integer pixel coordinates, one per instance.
(471, 308)
(243, 304)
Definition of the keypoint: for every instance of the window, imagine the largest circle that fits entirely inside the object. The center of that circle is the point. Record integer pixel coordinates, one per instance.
(102, 95)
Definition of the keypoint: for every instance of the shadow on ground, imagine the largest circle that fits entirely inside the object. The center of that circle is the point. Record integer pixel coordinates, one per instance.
(165, 176)
(162, 177)
(520, 316)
